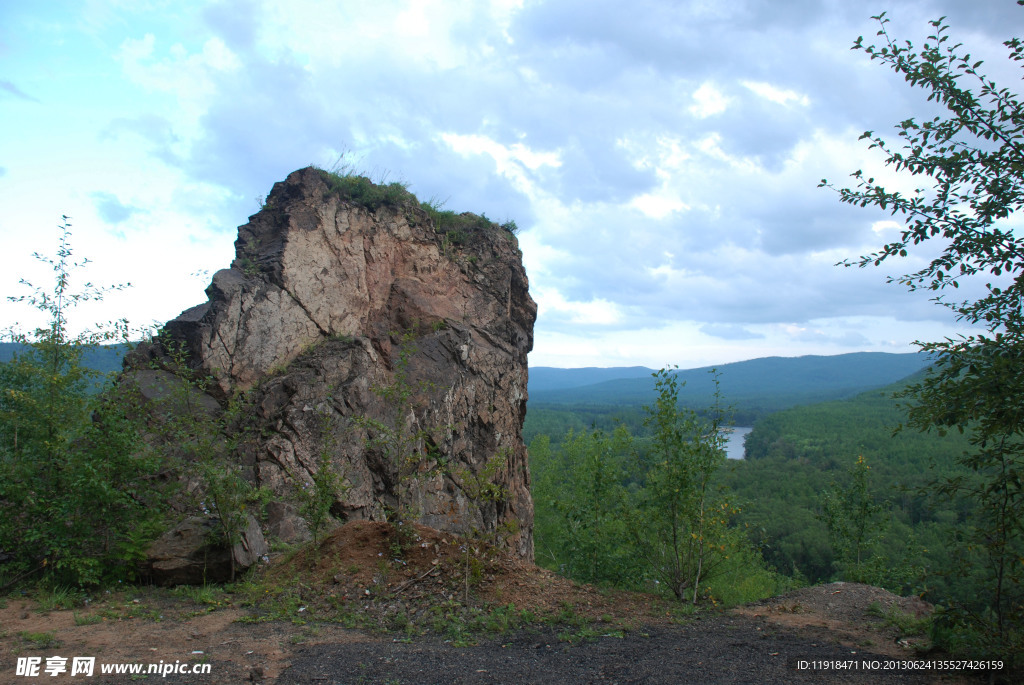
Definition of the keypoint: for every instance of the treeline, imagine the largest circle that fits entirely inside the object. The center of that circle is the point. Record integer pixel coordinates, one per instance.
(796, 458)
(756, 386)
(831, 491)
(555, 421)
(642, 509)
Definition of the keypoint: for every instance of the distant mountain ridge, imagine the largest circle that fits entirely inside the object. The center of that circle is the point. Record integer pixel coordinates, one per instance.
(103, 358)
(761, 385)
(543, 378)
(769, 383)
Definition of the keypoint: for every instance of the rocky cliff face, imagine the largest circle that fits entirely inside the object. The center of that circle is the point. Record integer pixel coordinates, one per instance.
(338, 290)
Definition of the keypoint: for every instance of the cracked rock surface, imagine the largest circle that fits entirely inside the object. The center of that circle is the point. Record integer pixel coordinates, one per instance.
(307, 325)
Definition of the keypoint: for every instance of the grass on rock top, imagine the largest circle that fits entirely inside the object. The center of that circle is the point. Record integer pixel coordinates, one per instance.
(364, 192)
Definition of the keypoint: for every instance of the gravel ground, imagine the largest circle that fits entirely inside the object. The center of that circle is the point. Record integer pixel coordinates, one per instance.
(726, 648)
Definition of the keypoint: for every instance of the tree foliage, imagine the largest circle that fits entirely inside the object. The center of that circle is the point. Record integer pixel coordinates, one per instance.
(858, 525)
(583, 508)
(198, 439)
(408, 449)
(971, 162)
(77, 487)
(643, 512)
(973, 159)
(791, 453)
(685, 520)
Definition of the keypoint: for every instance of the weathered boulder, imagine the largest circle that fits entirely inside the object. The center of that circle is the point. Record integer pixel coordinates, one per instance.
(333, 296)
(192, 553)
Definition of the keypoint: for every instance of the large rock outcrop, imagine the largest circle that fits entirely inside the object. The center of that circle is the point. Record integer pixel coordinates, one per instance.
(339, 289)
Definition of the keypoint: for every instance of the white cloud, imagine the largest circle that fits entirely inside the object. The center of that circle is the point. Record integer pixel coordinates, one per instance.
(658, 206)
(777, 95)
(181, 72)
(597, 312)
(708, 101)
(514, 162)
(886, 227)
(662, 173)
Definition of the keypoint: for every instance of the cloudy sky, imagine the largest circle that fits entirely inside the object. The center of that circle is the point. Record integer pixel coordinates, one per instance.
(661, 157)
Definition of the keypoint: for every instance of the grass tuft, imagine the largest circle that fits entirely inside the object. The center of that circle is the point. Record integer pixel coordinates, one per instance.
(46, 640)
(364, 192)
(58, 597)
(907, 624)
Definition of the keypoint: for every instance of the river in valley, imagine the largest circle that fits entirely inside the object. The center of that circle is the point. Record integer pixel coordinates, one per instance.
(734, 441)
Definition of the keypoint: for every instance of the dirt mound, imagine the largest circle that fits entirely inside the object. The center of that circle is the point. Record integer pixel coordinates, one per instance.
(395, 579)
(855, 614)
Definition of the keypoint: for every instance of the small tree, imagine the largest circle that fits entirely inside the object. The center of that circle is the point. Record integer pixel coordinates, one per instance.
(77, 486)
(204, 436)
(854, 522)
(584, 486)
(972, 164)
(327, 486)
(481, 489)
(682, 523)
(407, 448)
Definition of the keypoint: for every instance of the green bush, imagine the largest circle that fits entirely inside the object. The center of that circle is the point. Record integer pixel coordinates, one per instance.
(641, 513)
(77, 482)
(582, 508)
(362, 191)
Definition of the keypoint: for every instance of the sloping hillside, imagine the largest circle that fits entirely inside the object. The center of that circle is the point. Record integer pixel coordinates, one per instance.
(767, 384)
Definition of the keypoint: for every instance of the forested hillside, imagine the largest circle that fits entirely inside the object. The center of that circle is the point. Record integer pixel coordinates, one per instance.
(795, 459)
(545, 378)
(801, 466)
(773, 382)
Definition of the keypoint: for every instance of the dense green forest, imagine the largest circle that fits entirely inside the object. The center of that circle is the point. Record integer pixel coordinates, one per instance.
(795, 457)
(811, 475)
(640, 508)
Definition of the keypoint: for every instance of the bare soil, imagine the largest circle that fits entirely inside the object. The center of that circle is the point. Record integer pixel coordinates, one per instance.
(360, 610)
